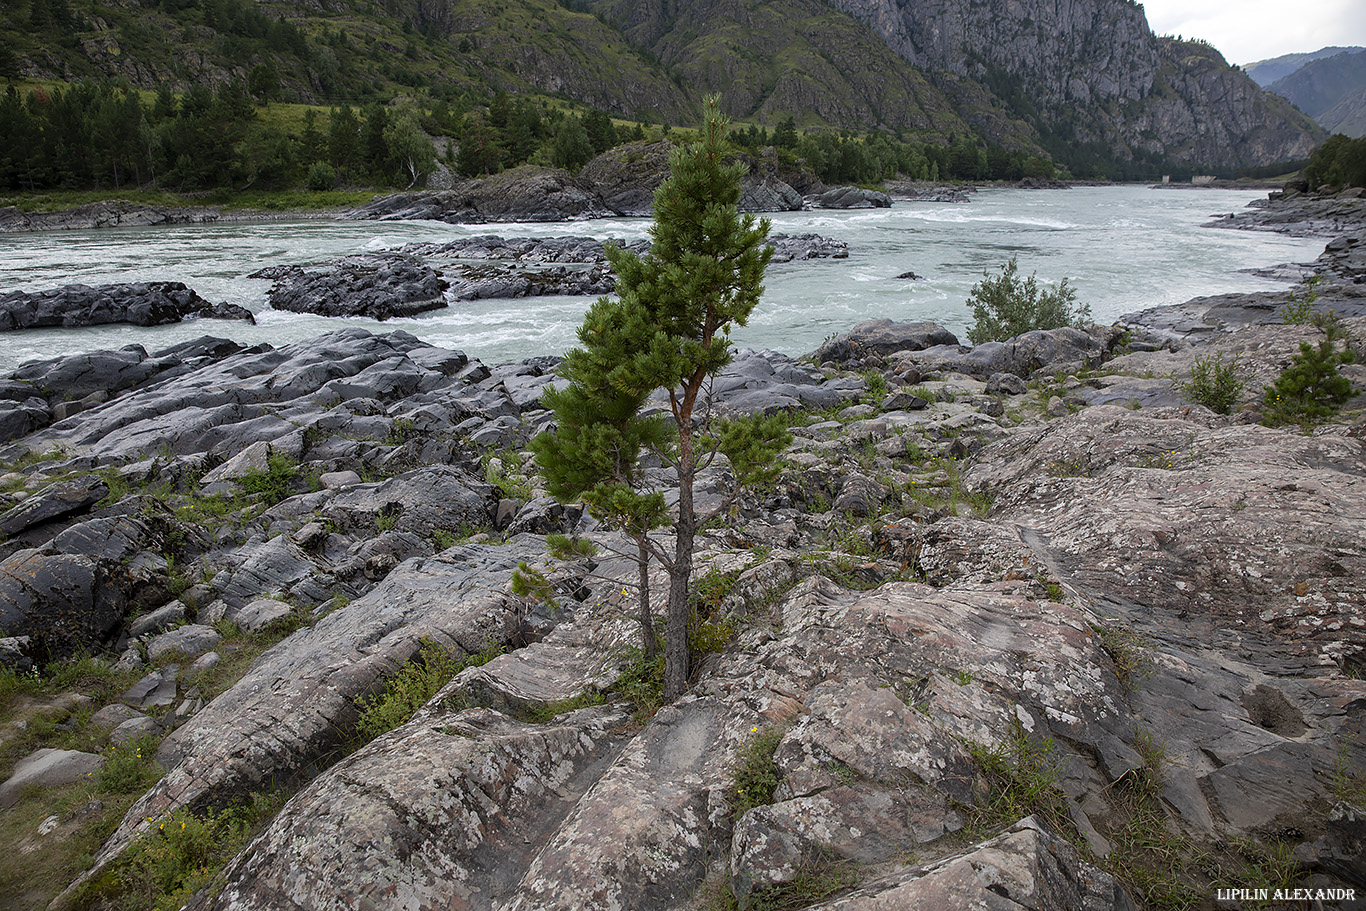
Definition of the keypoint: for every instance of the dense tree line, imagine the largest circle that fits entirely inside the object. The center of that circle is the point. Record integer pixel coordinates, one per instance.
(107, 136)
(98, 136)
(846, 158)
(510, 132)
(1339, 162)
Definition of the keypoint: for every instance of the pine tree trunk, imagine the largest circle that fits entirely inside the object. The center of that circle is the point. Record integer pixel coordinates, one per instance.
(648, 643)
(677, 660)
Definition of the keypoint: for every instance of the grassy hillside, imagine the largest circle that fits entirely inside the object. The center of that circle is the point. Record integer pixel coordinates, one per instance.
(769, 60)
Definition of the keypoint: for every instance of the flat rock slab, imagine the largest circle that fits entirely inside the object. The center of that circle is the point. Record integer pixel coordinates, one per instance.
(261, 613)
(157, 689)
(191, 640)
(57, 500)
(1024, 868)
(111, 716)
(48, 768)
(861, 823)
(133, 729)
(1193, 517)
(448, 827)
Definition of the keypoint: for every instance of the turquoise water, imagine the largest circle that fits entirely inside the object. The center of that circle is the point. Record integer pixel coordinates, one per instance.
(1123, 249)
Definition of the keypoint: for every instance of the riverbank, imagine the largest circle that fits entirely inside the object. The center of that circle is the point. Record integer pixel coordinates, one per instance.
(1333, 283)
(1015, 567)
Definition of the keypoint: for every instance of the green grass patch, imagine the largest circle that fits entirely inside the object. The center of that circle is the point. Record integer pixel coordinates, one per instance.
(816, 880)
(413, 687)
(1129, 650)
(179, 856)
(548, 713)
(1022, 773)
(642, 683)
(130, 768)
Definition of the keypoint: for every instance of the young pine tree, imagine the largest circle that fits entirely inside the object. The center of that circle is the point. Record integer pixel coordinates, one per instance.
(668, 328)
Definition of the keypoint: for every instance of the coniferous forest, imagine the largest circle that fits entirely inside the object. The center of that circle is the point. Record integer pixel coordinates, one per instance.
(106, 136)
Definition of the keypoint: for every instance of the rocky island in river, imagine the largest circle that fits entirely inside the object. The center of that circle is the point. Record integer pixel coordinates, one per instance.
(1018, 625)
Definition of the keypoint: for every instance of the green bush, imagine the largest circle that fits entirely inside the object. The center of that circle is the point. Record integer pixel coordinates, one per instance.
(1213, 383)
(756, 774)
(1339, 162)
(275, 483)
(130, 768)
(168, 864)
(321, 176)
(1023, 775)
(1004, 306)
(1311, 389)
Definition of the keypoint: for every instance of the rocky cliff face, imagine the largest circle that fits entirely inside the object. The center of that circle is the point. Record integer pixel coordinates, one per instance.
(1093, 72)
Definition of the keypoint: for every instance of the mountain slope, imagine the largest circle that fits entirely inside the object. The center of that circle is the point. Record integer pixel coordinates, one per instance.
(1332, 90)
(1348, 116)
(1092, 73)
(1087, 80)
(772, 58)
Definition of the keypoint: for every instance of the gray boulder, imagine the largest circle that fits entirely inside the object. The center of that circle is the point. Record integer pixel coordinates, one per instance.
(48, 768)
(141, 304)
(58, 500)
(851, 198)
(380, 286)
(111, 716)
(1039, 351)
(191, 640)
(882, 337)
(419, 501)
(261, 613)
(134, 729)
(1024, 868)
(157, 620)
(66, 603)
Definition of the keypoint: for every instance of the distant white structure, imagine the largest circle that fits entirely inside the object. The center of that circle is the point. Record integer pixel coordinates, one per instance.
(1166, 178)
(1202, 180)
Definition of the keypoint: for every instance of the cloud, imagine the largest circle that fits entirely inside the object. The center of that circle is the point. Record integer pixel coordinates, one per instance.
(1249, 30)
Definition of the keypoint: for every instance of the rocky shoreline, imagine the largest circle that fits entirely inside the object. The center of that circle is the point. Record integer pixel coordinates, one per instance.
(1024, 558)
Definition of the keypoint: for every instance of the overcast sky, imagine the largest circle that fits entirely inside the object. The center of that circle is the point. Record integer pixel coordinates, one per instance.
(1246, 31)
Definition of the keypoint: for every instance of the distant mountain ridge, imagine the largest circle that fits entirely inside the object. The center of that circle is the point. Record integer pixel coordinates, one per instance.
(1265, 72)
(1332, 90)
(1086, 81)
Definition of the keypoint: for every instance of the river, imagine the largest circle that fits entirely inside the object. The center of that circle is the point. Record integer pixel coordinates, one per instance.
(1123, 249)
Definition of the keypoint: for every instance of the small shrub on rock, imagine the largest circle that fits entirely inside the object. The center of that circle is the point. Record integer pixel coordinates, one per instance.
(1311, 389)
(756, 774)
(1005, 305)
(1213, 383)
(414, 685)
